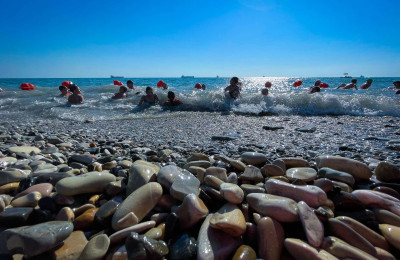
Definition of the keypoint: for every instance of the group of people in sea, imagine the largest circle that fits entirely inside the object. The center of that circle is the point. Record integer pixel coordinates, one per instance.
(74, 93)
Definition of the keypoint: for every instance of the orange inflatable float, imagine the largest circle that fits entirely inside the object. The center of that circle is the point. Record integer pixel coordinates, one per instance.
(197, 86)
(324, 85)
(297, 83)
(118, 83)
(27, 86)
(66, 83)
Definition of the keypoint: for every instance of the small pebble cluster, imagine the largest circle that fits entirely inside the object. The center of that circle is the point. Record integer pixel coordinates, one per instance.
(119, 200)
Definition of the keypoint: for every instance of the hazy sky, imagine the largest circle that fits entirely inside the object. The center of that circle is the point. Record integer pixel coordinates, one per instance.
(86, 38)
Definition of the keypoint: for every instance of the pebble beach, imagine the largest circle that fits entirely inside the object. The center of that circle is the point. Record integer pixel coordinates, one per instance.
(201, 185)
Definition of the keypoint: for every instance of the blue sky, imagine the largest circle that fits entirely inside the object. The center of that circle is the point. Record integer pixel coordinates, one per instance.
(50, 38)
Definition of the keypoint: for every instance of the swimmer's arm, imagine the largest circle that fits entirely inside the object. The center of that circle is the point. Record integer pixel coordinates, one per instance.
(156, 98)
(81, 99)
(141, 101)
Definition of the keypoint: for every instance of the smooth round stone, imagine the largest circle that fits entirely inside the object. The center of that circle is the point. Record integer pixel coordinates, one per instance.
(249, 188)
(388, 191)
(346, 233)
(24, 149)
(213, 243)
(125, 164)
(9, 188)
(357, 169)
(138, 204)
(82, 159)
(295, 162)
(86, 220)
(301, 173)
(192, 211)
(387, 172)
(387, 217)
(202, 164)
(44, 168)
(15, 217)
(43, 188)
(52, 178)
(96, 248)
(312, 226)
(198, 157)
(280, 208)
(10, 176)
(106, 211)
(65, 214)
(232, 193)
(91, 182)
(238, 165)
(374, 238)
(245, 253)
(183, 185)
(109, 165)
(139, 175)
(119, 254)
(253, 174)
(4, 201)
(336, 175)
(343, 186)
(391, 233)
(253, 158)
(8, 160)
(72, 247)
(154, 233)
(271, 170)
(29, 200)
(376, 199)
(301, 250)
(80, 210)
(167, 175)
(270, 236)
(342, 250)
(213, 182)
(220, 173)
(383, 254)
(232, 178)
(124, 233)
(310, 194)
(34, 240)
(198, 172)
(229, 219)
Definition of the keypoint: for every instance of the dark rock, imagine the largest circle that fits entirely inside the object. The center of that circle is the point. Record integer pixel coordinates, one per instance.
(272, 128)
(15, 217)
(307, 129)
(184, 248)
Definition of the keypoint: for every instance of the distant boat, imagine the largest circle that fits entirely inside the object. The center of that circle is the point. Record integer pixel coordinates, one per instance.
(115, 77)
(184, 77)
(346, 75)
(217, 77)
(362, 76)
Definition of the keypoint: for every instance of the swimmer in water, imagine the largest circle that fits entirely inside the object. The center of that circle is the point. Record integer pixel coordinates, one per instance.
(367, 84)
(233, 89)
(76, 96)
(150, 98)
(315, 89)
(268, 84)
(121, 93)
(203, 86)
(352, 85)
(396, 85)
(172, 100)
(264, 92)
(130, 85)
(64, 91)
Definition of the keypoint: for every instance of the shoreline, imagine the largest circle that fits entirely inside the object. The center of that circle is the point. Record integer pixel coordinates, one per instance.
(358, 137)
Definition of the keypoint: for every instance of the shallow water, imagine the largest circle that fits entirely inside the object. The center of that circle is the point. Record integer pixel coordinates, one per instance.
(283, 99)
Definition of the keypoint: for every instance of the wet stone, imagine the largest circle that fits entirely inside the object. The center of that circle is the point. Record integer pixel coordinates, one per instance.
(301, 173)
(15, 217)
(184, 248)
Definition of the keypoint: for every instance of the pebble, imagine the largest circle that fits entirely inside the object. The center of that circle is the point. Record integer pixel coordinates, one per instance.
(229, 218)
(301, 173)
(132, 210)
(140, 174)
(96, 248)
(254, 158)
(24, 149)
(34, 240)
(392, 234)
(387, 172)
(357, 169)
(90, 182)
(72, 247)
(191, 211)
(312, 226)
(232, 193)
(332, 174)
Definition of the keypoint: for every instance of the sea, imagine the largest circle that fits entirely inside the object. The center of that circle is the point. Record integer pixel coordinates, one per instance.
(283, 99)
